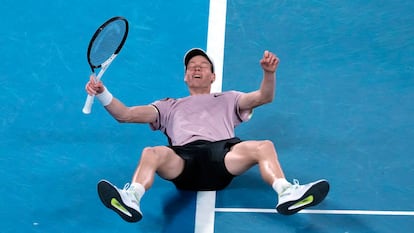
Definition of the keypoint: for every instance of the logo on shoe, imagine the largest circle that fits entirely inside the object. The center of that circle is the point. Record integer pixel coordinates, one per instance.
(306, 201)
(115, 203)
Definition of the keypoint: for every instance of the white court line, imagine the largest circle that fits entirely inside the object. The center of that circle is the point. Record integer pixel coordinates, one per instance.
(216, 39)
(206, 200)
(205, 212)
(310, 211)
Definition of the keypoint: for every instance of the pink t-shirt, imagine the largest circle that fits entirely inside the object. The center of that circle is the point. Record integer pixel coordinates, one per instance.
(210, 117)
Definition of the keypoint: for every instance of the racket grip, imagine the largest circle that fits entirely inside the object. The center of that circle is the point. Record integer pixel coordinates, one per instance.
(88, 104)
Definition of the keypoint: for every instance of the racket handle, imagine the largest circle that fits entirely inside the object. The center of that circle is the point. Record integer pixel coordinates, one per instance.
(88, 104)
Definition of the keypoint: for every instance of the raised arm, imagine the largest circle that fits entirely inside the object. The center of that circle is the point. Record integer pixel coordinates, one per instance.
(266, 92)
(122, 113)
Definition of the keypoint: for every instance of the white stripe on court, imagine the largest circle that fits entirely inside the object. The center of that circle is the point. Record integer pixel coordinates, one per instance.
(205, 211)
(206, 200)
(216, 38)
(310, 211)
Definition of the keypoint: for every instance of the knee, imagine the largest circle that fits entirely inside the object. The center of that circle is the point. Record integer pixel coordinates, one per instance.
(148, 150)
(148, 153)
(267, 148)
(155, 154)
(266, 144)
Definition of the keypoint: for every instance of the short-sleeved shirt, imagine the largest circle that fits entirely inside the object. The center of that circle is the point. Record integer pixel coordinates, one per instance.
(210, 117)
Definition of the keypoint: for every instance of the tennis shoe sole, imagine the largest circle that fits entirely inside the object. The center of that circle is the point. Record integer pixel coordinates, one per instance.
(113, 199)
(314, 195)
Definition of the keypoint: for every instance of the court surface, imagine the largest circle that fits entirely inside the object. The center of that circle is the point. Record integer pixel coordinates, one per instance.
(344, 111)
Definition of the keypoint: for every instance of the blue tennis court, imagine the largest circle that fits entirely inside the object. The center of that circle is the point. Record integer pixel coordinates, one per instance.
(343, 111)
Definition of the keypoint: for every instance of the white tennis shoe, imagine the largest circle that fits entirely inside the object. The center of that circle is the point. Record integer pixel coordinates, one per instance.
(298, 197)
(123, 201)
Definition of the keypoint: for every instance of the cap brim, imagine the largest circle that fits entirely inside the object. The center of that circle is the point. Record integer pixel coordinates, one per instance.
(196, 52)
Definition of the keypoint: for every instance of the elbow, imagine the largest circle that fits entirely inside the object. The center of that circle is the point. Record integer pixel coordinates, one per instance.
(268, 99)
(271, 98)
(266, 96)
(262, 101)
(122, 118)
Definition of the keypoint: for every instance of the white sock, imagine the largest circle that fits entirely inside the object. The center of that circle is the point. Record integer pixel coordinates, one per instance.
(139, 190)
(280, 185)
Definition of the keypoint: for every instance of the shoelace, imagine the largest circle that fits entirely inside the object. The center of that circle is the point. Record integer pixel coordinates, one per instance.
(126, 186)
(131, 192)
(295, 184)
(288, 190)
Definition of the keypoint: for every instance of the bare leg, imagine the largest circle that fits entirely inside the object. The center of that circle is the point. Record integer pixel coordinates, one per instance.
(248, 153)
(159, 159)
(292, 198)
(126, 202)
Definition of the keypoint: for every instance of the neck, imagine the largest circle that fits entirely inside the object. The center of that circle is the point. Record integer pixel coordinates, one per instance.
(199, 91)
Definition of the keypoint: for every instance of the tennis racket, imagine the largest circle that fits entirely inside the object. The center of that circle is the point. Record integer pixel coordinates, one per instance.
(103, 49)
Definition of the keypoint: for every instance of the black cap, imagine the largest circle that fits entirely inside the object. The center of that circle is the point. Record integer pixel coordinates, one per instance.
(196, 52)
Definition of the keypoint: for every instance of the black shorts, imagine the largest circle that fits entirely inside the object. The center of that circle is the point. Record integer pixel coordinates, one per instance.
(204, 168)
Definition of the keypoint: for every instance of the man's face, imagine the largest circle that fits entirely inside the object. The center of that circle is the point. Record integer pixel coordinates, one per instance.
(198, 73)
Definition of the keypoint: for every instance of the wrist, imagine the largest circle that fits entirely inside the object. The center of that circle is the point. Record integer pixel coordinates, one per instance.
(268, 74)
(269, 71)
(105, 97)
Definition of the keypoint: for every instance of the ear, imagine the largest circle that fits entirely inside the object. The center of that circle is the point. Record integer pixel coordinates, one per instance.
(213, 78)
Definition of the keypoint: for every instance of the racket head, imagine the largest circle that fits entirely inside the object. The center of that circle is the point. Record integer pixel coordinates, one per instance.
(106, 41)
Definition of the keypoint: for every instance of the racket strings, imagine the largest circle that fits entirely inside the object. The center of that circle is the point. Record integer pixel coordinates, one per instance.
(107, 42)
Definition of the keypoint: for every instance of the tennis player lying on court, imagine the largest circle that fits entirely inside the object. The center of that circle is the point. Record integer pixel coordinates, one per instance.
(203, 152)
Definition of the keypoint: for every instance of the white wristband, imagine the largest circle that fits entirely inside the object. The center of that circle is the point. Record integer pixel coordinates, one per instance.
(105, 97)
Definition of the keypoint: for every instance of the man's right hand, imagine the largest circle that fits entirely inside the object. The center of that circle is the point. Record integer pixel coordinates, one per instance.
(93, 87)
